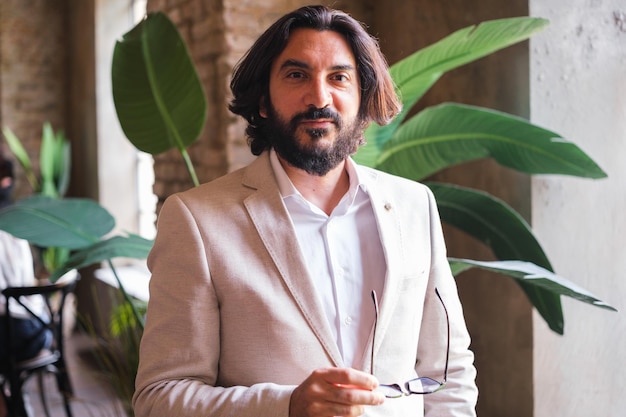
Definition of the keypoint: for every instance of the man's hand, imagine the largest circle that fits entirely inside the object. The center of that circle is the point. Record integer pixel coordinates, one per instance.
(334, 392)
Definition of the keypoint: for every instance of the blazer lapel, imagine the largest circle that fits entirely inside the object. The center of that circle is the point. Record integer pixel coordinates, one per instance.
(272, 222)
(388, 221)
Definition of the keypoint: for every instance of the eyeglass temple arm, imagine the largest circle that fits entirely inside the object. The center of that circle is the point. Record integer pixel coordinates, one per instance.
(445, 309)
(375, 299)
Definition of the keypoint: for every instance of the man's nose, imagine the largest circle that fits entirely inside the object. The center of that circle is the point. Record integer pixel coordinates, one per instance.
(319, 95)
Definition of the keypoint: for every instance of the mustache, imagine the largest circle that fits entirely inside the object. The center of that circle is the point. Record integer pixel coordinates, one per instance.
(316, 114)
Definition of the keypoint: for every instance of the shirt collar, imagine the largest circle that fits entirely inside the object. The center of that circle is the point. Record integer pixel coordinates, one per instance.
(287, 188)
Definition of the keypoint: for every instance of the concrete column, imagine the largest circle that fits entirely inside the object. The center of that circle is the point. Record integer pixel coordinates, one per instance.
(578, 89)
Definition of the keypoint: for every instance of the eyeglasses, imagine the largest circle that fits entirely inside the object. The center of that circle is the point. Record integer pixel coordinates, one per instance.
(422, 385)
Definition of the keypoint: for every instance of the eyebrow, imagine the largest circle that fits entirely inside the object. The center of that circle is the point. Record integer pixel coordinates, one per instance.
(301, 64)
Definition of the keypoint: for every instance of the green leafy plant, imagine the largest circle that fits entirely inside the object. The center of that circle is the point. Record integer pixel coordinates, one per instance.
(70, 231)
(53, 181)
(82, 227)
(450, 134)
(54, 161)
(145, 72)
(158, 96)
(117, 350)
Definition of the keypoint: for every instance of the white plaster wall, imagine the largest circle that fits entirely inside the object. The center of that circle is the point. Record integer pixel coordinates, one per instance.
(578, 89)
(116, 156)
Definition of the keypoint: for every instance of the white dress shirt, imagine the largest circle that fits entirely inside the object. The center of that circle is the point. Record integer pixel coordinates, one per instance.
(16, 270)
(344, 257)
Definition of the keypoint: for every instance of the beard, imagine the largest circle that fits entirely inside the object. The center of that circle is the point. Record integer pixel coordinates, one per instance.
(309, 156)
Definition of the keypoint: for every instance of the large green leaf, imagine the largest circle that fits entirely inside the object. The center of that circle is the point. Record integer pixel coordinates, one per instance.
(131, 246)
(64, 165)
(547, 304)
(47, 161)
(49, 222)
(532, 276)
(415, 74)
(158, 96)
(489, 220)
(497, 225)
(450, 133)
(16, 147)
(55, 165)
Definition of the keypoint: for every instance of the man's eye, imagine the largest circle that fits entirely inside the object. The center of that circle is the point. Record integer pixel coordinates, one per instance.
(341, 77)
(295, 75)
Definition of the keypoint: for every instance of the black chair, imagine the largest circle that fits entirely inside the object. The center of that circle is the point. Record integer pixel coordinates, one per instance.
(51, 360)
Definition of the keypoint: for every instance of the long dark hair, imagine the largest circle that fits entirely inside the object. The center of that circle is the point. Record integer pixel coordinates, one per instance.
(250, 82)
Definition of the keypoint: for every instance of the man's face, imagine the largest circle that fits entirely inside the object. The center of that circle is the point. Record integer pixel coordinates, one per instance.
(312, 111)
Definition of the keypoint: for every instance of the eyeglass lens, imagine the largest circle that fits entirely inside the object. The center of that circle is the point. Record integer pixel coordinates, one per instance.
(422, 385)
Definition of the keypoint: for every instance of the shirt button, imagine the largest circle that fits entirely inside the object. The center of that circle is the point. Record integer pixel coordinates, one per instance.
(348, 321)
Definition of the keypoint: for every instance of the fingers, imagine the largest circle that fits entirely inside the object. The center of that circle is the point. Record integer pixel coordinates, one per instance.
(335, 392)
(348, 378)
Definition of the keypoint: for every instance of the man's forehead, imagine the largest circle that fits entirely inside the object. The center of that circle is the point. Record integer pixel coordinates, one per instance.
(305, 44)
(294, 63)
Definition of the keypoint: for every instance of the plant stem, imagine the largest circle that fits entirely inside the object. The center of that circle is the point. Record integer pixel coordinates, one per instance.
(127, 297)
(190, 168)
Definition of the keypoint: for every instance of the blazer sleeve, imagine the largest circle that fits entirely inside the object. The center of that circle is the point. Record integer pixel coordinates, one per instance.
(180, 347)
(460, 395)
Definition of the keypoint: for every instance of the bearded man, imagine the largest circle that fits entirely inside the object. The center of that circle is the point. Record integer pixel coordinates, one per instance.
(304, 284)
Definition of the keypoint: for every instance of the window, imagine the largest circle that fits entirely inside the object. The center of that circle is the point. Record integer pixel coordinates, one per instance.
(125, 175)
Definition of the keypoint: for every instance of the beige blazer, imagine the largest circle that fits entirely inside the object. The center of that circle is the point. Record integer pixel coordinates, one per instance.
(233, 322)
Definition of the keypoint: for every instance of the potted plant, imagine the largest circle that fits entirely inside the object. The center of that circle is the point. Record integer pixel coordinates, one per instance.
(75, 230)
(53, 181)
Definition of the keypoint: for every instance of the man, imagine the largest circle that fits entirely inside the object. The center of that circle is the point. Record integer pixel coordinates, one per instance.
(261, 297)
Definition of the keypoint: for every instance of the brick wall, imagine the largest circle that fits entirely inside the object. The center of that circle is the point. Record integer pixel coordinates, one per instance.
(33, 80)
